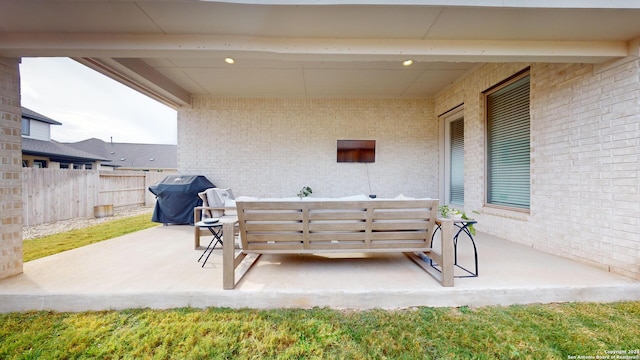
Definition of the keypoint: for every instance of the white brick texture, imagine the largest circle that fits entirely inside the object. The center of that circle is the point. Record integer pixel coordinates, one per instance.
(585, 161)
(585, 153)
(10, 170)
(274, 147)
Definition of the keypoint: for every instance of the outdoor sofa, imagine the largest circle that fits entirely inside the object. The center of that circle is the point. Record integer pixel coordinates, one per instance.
(354, 224)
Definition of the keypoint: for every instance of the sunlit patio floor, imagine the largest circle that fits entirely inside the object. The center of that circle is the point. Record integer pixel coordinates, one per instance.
(158, 268)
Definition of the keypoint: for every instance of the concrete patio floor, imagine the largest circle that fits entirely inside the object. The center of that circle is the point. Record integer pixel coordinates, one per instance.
(158, 268)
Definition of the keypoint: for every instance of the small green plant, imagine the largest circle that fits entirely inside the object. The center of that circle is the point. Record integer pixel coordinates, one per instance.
(472, 230)
(304, 192)
(448, 212)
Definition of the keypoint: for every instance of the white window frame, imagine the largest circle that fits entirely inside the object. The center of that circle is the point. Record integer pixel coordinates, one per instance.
(523, 74)
(446, 119)
(25, 127)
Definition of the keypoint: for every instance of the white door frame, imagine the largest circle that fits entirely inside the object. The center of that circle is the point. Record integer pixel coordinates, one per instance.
(445, 121)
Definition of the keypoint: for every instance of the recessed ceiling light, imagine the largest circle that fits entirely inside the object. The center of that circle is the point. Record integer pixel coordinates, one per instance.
(407, 62)
(229, 61)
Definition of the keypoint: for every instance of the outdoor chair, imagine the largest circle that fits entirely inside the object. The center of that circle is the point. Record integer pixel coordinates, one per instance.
(216, 203)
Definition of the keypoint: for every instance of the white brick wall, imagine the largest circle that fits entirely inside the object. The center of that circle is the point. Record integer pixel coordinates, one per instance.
(585, 163)
(589, 168)
(10, 170)
(274, 147)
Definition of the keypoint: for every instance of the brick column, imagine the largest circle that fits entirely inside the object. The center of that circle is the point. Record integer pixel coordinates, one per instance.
(10, 169)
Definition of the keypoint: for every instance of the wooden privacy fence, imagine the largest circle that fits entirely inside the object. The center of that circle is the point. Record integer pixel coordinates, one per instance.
(59, 194)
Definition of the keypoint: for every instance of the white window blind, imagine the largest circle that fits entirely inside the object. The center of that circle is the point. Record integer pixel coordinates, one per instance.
(508, 145)
(456, 188)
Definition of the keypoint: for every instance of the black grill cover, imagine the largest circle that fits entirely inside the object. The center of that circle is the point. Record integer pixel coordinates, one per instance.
(176, 196)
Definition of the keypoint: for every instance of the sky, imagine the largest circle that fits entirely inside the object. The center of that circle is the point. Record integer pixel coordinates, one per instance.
(91, 105)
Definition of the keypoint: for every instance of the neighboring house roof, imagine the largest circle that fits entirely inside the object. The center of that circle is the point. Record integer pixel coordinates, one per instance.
(57, 152)
(30, 114)
(137, 156)
(130, 155)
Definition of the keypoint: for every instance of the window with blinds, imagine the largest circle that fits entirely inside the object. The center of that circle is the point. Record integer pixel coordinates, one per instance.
(508, 144)
(456, 170)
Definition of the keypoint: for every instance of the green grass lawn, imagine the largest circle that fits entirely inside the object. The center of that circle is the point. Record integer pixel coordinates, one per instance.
(554, 331)
(56, 243)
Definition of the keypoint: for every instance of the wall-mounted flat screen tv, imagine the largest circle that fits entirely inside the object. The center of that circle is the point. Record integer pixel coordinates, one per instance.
(357, 151)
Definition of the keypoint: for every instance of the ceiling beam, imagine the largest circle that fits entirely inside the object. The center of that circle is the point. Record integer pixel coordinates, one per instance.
(159, 45)
(141, 77)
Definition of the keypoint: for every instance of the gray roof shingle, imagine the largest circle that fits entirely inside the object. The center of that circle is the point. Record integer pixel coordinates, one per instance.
(57, 151)
(131, 155)
(30, 114)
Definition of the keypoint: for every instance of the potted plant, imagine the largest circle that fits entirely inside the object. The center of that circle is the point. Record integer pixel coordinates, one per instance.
(451, 213)
(304, 192)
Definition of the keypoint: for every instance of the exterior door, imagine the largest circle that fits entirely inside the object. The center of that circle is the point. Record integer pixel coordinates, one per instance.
(454, 157)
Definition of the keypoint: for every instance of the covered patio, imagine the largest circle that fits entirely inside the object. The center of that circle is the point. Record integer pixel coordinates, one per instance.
(265, 91)
(158, 268)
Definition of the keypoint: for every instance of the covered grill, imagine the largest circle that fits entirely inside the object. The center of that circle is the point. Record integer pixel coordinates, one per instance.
(176, 196)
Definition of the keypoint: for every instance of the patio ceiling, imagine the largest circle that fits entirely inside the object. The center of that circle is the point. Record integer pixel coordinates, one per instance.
(172, 50)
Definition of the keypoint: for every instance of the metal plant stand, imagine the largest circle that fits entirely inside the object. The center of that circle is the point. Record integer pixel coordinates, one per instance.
(463, 228)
